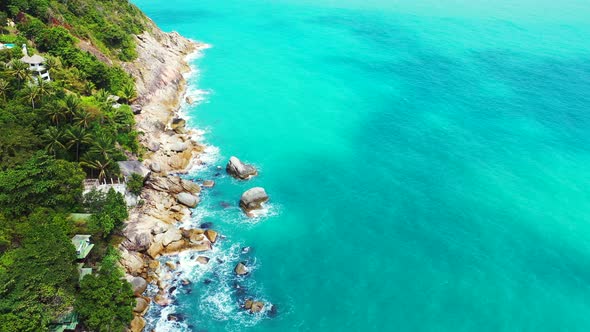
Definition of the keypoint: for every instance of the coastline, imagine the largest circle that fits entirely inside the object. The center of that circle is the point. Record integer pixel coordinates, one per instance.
(151, 230)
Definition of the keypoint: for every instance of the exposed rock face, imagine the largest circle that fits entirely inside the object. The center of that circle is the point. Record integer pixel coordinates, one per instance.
(252, 199)
(190, 186)
(172, 235)
(211, 235)
(239, 170)
(257, 306)
(138, 284)
(188, 199)
(161, 299)
(155, 249)
(177, 147)
(132, 261)
(156, 167)
(137, 324)
(172, 184)
(133, 166)
(203, 260)
(253, 306)
(241, 269)
(178, 125)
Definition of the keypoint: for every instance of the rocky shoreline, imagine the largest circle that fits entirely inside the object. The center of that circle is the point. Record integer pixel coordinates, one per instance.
(170, 149)
(152, 229)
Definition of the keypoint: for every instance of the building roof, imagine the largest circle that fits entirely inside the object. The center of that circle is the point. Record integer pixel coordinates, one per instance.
(82, 244)
(84, 272)
(33, 60)
(67, 322)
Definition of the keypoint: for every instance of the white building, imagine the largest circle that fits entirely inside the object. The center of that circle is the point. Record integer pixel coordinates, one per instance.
(36, 64)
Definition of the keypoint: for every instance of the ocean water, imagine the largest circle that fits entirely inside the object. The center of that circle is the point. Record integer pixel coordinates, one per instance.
(427, 163)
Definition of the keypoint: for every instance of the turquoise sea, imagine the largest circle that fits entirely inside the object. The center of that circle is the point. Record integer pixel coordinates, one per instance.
(428, 163)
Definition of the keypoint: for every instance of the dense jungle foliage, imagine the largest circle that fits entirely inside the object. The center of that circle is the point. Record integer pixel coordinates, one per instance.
(54, 135)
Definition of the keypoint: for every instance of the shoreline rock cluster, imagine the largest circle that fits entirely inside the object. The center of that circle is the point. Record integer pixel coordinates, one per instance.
(151, 229)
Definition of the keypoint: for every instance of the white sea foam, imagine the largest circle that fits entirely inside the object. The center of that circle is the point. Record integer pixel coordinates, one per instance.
(219, 300)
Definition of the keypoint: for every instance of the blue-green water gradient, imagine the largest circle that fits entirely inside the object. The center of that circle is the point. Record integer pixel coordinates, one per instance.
(427, 161)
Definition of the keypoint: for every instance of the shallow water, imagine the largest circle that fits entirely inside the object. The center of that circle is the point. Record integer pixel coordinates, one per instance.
(426, 162)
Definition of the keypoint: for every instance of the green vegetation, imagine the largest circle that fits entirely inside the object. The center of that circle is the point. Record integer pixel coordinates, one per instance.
(105, 302)
(135, 184)
(54, 135)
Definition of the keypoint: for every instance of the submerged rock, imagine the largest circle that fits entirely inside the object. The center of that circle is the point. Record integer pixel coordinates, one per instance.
(273, 311)
(239, 170)
(206, 225)
(208, 184)
(252, 199)
(241, 269)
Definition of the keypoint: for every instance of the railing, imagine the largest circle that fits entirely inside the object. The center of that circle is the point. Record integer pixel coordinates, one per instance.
(105, 181)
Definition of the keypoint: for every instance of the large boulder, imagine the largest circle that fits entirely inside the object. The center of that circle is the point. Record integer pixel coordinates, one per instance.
(178, 125)
(178, 146)
(211, 235)
(190, 186)
(140, 305)
(203, 260)
(155, 249)
(156, 167)
(204, 246)
(252, 199)
(241, 269)
(239, 170)
(187, 199)
(132, 261)
(129, 167)
(139, 241)
(257, 306)
(208, 184)
(172, 235)
(137, 324)
(138, 284)
(177, 246)
(170, 184)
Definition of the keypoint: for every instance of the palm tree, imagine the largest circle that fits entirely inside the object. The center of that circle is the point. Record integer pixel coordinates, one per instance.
(52, 62)
(99, 165)
(77, 136)
(4, 88)
(103, 145)
(88, 88)
(54, 137)
(55, 113)
(32, 93)
(44, 89)
(19, 70)
(128, 93)
(71, 105)
(83, 118)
